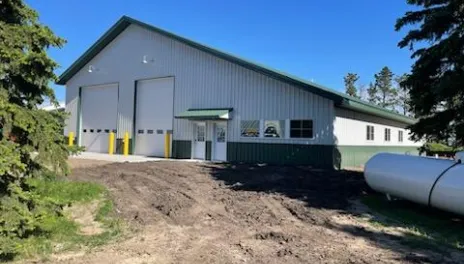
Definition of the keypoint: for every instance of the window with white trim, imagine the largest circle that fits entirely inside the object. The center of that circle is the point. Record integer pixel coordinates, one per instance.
(387, 136)
(370, 133)
(274, 128)
(249, 128)
(301, 128)
(400, 136)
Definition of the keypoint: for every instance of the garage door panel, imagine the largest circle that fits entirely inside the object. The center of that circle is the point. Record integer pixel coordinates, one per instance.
(154, 115)
(99, 116)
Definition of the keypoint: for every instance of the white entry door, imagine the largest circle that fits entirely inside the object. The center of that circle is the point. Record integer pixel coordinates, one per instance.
(199, 141)
(220, 141)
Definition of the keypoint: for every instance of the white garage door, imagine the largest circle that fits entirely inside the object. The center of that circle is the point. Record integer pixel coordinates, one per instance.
(154, 115)
(99, 106)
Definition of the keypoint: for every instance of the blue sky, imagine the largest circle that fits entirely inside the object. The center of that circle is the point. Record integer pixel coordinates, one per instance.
(314, 39)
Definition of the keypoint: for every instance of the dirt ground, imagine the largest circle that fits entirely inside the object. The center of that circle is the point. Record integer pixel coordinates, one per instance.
(183, 212)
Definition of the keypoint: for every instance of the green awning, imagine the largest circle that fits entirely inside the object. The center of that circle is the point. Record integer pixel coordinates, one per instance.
(206, 114)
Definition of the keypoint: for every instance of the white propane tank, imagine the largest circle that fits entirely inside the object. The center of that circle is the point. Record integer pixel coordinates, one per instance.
(429, 181)
(460, 157)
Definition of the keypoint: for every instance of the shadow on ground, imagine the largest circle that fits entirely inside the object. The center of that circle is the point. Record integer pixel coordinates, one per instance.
(318, 188)
(332, 191)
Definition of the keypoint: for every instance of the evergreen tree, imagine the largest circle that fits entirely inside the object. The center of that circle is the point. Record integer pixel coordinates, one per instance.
(436, 83)
(372, 94)
(387, 94)
(350, 84)
(31, 140)
(403, 102)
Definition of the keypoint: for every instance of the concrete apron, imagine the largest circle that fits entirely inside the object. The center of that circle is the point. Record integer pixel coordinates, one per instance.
(122, 158)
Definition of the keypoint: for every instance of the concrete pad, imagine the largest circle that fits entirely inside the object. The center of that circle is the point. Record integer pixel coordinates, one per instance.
(122, 158)
(115, 157)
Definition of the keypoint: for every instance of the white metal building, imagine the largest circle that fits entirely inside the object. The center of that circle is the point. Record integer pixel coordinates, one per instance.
(148, 82)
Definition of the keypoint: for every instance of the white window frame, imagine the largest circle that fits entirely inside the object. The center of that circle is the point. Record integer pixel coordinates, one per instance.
(260, 129)
(300, 138)
(368, 134)
(400, 138)
(387, 136)
(284, 128)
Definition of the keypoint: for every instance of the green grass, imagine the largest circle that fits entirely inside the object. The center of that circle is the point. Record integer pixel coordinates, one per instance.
(426, 227)
(65, 191)
(63, 233)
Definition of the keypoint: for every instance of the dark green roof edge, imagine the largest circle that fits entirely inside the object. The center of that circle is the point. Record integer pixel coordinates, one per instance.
(360, 106)
(205, 113)
(340, 99)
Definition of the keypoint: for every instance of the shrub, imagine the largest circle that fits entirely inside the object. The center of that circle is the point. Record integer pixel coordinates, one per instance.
(432, 148)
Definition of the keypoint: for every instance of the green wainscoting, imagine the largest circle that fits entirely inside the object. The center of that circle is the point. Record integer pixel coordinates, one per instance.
(120, 146)
(208, 149)
(272, 153)
(322, 156)
(182, 149)
(357, 156)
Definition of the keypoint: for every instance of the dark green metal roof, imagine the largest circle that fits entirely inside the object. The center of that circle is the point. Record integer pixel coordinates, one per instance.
(206, 114)
(340, 99)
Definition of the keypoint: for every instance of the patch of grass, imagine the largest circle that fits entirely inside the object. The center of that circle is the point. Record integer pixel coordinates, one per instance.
(427, 228)
(61, 232)
(106, 207)
(65, 191)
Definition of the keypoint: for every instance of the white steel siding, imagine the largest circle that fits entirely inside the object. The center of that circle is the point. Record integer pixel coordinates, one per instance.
(350, 130)
(201, 81)
(72, 107)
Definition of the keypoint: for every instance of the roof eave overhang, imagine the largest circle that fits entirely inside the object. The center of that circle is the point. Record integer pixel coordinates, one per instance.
(375, 111)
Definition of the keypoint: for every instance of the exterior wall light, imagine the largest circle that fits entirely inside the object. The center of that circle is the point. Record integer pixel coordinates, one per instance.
(146, 59)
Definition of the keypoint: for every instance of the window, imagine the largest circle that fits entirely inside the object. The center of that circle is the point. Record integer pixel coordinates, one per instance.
(400, 136)
(274, 128)
(249, 128)
(220, 134)
(201, 134)
(370, 133)
(387, 134)
(301, 128)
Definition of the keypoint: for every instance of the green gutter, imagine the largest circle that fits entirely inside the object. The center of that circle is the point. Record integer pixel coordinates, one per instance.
(376, 111)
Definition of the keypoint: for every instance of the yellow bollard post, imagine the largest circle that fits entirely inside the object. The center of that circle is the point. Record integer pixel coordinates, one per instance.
(167, 145)
(111, 144)
(71, 139)
(126, 144)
